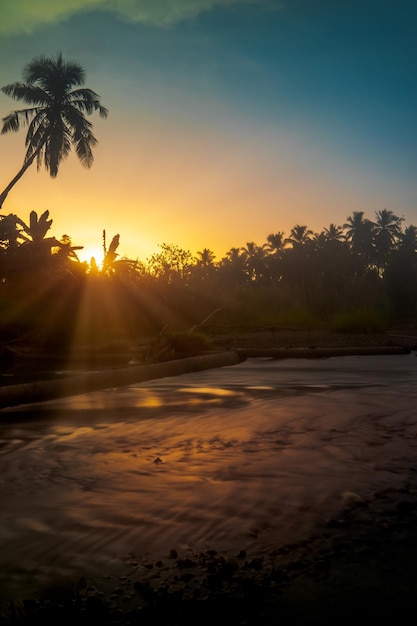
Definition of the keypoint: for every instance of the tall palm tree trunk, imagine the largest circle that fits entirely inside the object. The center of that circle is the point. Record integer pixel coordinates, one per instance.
(18, 176)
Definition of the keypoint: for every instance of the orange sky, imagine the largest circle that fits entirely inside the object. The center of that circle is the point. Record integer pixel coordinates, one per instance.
(217, 192)
(213, 151)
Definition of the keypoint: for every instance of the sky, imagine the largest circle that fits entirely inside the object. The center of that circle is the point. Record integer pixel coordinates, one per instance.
(228, 120)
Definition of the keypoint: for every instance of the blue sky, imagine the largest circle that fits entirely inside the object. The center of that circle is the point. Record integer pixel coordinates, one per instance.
(228, 120)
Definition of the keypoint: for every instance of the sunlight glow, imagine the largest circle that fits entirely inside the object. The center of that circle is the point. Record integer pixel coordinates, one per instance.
(89, 252)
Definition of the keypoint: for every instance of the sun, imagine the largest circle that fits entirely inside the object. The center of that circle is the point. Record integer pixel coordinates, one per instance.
(90, 252)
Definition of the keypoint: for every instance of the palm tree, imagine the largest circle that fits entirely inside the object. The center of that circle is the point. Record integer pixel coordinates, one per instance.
(205, 258)
(255, 259)
(235, 256)
(204, 264)
(275, 242)
(297, 268)
(56, 118)
(359, 232)
(275, 246)
(387, 233)
(328, 263)
(299, 236)
(333, 233)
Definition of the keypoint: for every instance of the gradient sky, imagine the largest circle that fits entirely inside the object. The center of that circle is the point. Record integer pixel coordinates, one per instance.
(228, 120)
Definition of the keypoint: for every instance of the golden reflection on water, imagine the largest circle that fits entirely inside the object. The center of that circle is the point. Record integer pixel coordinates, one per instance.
(212, 391)
(148, 399)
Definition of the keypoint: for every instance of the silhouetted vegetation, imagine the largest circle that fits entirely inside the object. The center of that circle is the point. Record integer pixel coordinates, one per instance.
(361, 277)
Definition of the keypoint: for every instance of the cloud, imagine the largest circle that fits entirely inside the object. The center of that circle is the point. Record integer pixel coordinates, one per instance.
(25, 16)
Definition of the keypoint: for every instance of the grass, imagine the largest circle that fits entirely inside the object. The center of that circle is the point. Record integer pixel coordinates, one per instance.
(359, 321)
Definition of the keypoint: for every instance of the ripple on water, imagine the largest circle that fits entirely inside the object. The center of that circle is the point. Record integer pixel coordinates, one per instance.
(259, 465)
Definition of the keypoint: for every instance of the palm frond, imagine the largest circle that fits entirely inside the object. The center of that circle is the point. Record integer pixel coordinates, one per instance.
(38, 123)
(38, 135)
(11, 123)
(50, 72)
(74, 74)
(27, 93)
(84, 152)
(35, 69)
(76, 119)
(86, 101)
(14, 120)
(82, 136)
(40, 158)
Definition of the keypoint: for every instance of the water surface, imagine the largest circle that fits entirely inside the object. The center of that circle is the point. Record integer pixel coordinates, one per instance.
(245, 457)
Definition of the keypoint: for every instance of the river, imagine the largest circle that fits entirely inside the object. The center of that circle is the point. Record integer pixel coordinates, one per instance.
(251, 457)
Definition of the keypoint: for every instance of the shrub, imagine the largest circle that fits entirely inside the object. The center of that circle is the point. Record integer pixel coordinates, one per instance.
(295, 318)
(358, 321)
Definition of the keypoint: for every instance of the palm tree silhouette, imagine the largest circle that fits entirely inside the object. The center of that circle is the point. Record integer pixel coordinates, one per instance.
(359, 232)
(255, 259)
(299, 236)
(387, 231)
(56, 118)
(334, 233)
(275, 242)
(205, 258)
(235, 256)
(204, 264)
(275, 249)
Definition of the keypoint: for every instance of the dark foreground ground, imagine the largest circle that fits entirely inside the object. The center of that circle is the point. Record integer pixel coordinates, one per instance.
(361, 566)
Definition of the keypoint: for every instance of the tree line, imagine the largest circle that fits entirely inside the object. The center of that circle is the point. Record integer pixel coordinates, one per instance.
(362, 264)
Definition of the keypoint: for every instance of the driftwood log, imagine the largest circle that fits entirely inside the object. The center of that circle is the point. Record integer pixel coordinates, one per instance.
(40, 391)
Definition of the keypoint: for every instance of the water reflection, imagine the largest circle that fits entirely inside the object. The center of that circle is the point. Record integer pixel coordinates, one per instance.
(212, 391)
(258, 453)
